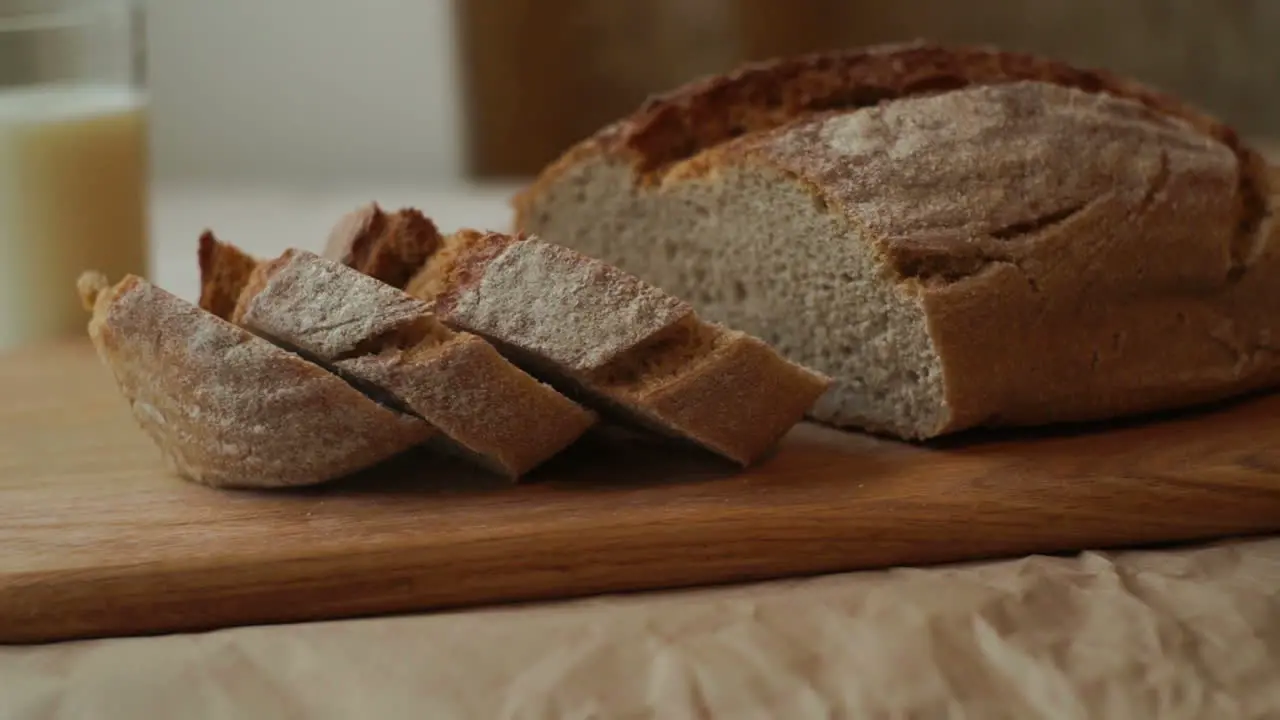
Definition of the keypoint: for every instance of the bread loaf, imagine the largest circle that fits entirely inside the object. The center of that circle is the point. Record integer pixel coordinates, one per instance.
(960, 237)
(618, 344)
(390, 345)
(229, 409)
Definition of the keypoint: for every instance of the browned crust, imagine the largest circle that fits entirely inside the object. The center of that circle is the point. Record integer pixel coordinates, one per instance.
(471, 256)
(437, 274)
(224, 271)
(738, 400)
(388, 246)
(229, 409)
(761, 96)
(1177, 347)
(504, 417)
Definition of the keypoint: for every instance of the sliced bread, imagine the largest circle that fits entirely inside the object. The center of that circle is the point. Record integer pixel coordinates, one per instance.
(617, 343)
(229, 409)
(389, 345)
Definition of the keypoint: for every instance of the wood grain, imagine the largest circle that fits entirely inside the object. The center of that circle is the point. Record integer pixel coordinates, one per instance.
(97, 538)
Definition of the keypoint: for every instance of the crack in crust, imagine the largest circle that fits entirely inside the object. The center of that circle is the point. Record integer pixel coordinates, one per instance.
(762, 96)
(944, 258)
(1033, 225)
(948, 256)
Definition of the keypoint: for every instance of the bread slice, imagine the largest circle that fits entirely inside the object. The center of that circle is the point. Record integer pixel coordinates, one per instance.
(390, 345)
(617, 343)
(958, 236)
(229, 409)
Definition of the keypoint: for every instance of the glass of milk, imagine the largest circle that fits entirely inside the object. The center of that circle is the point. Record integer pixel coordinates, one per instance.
(73, 158)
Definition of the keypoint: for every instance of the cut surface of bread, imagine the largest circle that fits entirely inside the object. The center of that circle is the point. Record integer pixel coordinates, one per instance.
(390, 345)
(618, 343)
(229, 409)
(959, 237)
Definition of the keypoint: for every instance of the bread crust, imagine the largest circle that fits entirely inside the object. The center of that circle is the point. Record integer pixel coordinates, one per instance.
(1082, 247)
(738, 400)
(761, 96)
(387, 340)
(544, 303)
(228, 409)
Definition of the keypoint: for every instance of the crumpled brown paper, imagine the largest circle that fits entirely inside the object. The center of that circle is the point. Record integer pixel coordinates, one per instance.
(1154, 634)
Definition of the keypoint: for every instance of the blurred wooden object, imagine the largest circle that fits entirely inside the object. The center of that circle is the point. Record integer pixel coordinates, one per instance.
(17, 58)
(542, 74)
(519, 79)
(770, 28)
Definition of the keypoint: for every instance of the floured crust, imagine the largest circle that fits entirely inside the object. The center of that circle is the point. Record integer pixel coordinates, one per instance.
(390, 342)
(651, 360)
(947, 184)
(329, 310)
(229, 409)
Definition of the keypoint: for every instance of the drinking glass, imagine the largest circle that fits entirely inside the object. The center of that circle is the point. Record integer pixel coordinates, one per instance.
(73, 158)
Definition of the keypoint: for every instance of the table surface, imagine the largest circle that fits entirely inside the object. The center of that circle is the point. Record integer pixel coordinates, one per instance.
(1187, 632)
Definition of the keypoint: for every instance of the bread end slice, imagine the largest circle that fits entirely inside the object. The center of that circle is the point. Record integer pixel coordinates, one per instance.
(229, 409)
(224, 271)
(390, 343)
(619, 343)
(382, 245)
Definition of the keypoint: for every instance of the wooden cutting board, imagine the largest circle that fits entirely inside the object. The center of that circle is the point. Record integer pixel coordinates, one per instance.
(97, 538)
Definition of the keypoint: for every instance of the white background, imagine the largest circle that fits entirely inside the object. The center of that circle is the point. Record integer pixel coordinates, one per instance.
(305, 92)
